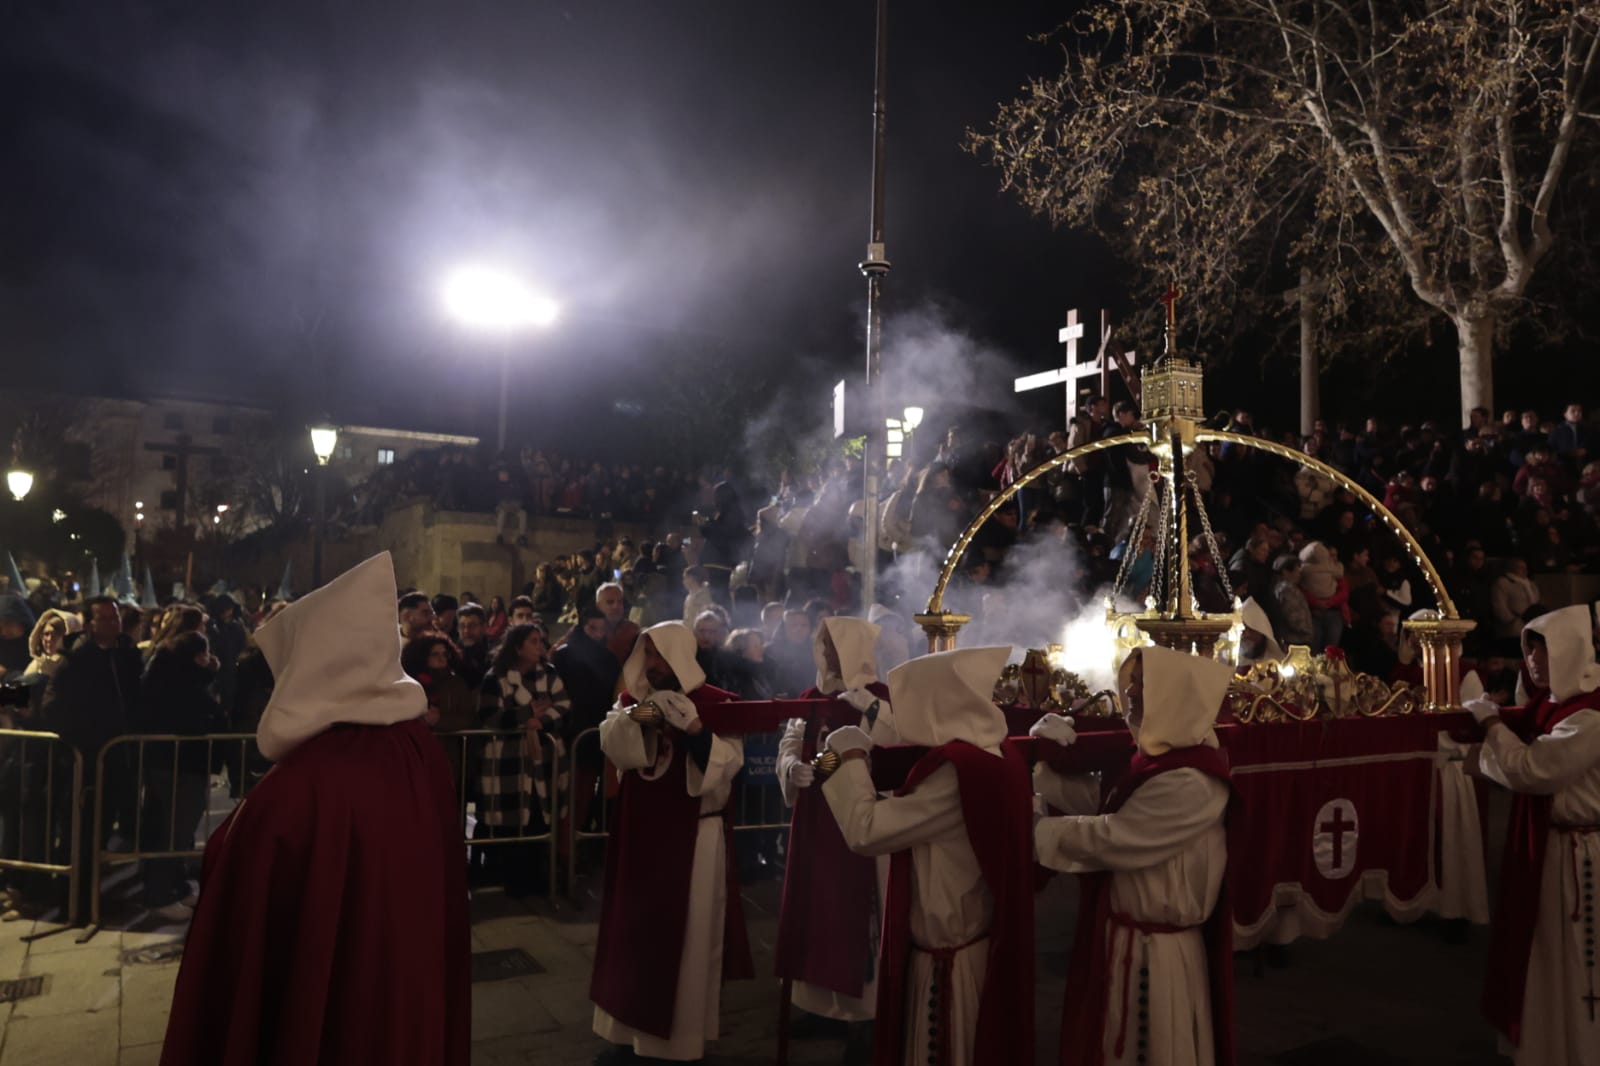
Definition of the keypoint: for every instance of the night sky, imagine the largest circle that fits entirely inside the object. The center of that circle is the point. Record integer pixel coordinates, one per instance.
(258, 201)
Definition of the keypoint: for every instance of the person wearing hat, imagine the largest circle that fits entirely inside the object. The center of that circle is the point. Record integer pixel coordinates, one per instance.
(1543, 981)
(1150, 977)
(332, 919)
(955, 979)
(671, 925)
(824, 883)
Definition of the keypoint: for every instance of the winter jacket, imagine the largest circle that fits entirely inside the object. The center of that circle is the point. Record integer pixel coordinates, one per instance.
(95, 694)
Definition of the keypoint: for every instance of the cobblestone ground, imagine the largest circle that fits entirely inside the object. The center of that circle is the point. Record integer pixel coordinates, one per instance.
(1377, 993)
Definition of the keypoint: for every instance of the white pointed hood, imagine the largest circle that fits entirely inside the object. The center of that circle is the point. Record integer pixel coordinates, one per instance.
(950, 696)
(335, 657)
(1254, 616)
(1569, 637)
(1182, 695)
(675, 641)
(856, 642)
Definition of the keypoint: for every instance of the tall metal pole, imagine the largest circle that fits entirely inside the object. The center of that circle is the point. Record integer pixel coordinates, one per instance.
(505, 387)
(874, 267)
(316, 541)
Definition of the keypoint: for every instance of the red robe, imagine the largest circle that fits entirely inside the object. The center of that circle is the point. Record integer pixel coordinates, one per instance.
(1516, 912)
(826, 887)
(1083, 1017)
(649, 870)
(332, 923)
(997, 802)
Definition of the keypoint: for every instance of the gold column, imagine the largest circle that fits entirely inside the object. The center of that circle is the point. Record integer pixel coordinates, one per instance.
(942, 628)
(1440, 640)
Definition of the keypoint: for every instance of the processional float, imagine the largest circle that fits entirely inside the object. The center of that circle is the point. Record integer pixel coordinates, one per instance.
(1303, 685)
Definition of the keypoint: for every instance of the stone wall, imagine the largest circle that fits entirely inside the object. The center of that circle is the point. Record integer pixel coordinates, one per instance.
(448, 551)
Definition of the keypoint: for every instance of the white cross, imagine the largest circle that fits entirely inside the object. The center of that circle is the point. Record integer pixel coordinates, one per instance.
(1070, 373)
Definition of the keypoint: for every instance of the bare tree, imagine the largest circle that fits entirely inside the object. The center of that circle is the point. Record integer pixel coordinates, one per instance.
(1391, 146)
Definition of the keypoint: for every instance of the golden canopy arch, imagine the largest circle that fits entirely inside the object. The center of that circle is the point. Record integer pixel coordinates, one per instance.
(952, 559)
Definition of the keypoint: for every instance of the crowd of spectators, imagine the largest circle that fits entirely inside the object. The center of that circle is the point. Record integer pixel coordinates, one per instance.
(533, 483)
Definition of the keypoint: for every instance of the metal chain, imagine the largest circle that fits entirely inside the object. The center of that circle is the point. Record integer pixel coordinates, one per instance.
(1158, 565)
(1210, 537)
(1135, 534)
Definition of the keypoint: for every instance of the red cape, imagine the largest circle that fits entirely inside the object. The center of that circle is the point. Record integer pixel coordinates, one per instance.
(997, 802)
(332, 924)
(826, 888)
(649, 869)
(1516, 912)
(1083, 1018)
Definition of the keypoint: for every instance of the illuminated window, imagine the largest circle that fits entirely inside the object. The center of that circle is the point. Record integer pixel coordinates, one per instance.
(385, 456)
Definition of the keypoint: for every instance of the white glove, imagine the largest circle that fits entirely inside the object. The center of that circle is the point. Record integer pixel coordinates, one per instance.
(801, 775)
(1056, 727)
(859, 698)
(1482, 709)
(679, 710)
(849, 738)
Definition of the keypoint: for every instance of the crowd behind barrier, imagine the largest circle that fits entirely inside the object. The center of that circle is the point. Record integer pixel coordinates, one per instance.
(136, 804)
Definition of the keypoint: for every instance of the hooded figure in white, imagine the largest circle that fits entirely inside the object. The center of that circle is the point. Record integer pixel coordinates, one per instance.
(844, 674)
(335, 658)
(1166, 849)
(938, 698)
(845, 654)
(1558, 1025)
(633, 748)
(1256, 644)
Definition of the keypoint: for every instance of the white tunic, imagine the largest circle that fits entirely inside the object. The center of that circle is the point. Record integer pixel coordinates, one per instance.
(1167, 851)
(809, 997)
(950, 903)
(696, 1013)
(1565, 764)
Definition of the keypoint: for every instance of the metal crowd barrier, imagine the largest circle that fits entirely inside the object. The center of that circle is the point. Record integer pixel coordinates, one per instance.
(142, 788)
(757, 802)
(136, 773)
(549, 786)
(41, 809)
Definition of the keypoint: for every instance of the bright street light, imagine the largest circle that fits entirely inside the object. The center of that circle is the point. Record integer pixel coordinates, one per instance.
(913, 418)
(484, 298)
(324, 438)
(492, 300)
(20, 482)
(222, 508)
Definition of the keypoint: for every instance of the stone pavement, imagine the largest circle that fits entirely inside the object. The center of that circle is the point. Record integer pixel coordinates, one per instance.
(1376, 994)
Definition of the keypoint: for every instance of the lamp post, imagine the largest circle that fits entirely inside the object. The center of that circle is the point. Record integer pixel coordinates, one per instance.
(495, 302)
(324, 438)
(19, 481)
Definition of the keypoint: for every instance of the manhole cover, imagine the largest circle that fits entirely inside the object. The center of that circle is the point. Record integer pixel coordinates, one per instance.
(163, 951)
(22, 988)
(501, 965)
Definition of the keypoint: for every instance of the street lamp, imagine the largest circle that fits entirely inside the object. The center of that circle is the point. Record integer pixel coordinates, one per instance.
(20, 482)
(913, 418)
(496, 302)
(324, 438)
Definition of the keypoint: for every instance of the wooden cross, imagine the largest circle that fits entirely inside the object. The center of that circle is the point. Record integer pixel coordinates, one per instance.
(1126, 364)
(183, 448)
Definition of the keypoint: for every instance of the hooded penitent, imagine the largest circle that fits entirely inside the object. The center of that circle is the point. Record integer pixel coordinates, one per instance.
(1182, 694)
(335, 657)
(950, 696)
(675, 643)
(1569, 639)
(855, 642)
(1255, 617)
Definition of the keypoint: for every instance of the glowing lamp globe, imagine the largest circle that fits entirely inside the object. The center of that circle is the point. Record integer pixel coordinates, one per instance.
(323, 441)
(20, 482)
